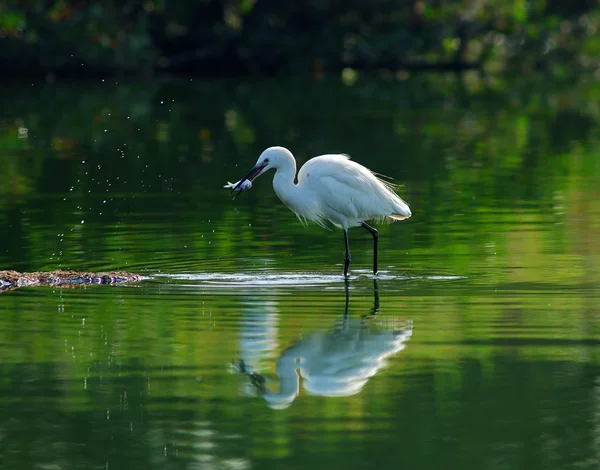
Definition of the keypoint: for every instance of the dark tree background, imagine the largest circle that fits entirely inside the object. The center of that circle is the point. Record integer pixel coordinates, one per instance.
(266, 37)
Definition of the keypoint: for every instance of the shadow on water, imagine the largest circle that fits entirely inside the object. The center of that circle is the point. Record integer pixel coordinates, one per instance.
(332, 363)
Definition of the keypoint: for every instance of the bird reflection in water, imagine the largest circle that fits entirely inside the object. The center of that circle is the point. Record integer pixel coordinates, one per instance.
(334, 363)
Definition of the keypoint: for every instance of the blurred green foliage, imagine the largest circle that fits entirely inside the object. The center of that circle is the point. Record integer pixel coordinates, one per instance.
(98, 152)
(218, 37)
(503, 179)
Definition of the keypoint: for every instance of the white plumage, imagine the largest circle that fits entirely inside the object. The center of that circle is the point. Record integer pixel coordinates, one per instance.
(331, 188)
(345, 192)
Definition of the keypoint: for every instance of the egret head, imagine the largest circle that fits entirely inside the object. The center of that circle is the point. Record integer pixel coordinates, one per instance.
(273, 157)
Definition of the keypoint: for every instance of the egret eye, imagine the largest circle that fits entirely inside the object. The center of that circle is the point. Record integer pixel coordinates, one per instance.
(266, 160)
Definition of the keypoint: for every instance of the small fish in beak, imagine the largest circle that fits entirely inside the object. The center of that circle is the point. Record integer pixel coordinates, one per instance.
(243, 185)
(239, 186)
(246, 181)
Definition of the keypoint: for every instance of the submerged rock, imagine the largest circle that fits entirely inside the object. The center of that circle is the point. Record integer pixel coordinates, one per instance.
(15, 279)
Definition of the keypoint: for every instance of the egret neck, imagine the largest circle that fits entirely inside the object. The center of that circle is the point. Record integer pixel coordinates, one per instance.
(284, 186)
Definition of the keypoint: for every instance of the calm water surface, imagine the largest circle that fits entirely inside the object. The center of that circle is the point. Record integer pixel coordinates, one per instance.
(478, 346)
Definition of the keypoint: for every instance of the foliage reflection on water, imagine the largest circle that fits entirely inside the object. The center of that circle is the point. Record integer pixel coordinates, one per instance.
(498, 271)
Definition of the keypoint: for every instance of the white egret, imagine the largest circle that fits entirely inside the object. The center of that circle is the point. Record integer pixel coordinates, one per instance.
(330, 188)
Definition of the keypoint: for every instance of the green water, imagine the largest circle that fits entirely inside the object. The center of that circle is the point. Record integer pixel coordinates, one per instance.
(477, 347)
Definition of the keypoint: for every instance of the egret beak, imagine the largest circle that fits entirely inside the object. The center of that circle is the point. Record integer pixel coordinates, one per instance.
(252, 175)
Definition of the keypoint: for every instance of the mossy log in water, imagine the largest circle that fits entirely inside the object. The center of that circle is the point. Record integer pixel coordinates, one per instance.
(14, 279)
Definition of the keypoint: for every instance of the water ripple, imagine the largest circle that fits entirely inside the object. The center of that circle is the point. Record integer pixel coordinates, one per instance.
(300, 279)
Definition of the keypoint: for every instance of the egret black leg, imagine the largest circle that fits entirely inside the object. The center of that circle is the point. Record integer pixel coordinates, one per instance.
(347, 260)
(375, 234)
